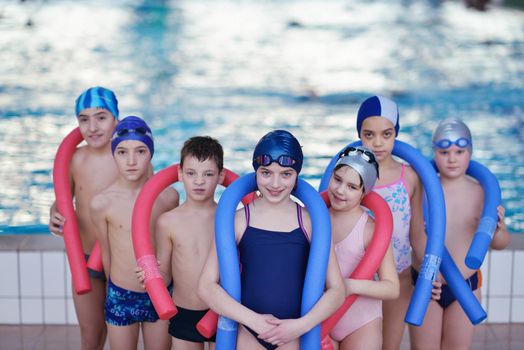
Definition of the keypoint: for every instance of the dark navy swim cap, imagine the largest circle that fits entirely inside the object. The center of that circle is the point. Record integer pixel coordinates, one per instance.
(133, 128)
(378, 106)
(278, 146)
(97, 97)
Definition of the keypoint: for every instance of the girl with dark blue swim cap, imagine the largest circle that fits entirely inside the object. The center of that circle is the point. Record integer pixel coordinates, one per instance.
(273, 234)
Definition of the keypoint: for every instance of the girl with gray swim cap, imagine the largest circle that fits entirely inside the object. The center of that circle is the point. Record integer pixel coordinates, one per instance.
(354, 176)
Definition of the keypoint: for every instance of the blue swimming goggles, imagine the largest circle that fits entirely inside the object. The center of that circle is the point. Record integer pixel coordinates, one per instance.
(266, 159)
(142, 131)
(447, 143)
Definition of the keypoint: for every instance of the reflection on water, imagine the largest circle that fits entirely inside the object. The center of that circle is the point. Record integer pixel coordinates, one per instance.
(235, 69)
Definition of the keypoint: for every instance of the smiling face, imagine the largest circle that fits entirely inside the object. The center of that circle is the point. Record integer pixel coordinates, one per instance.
(452, 162)
(96, 126)
(200, 178)
(276, 182)
(345, 189)
(132, 159)
(378, 134)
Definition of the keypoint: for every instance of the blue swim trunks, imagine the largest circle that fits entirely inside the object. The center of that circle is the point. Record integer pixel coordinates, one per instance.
(124, 307)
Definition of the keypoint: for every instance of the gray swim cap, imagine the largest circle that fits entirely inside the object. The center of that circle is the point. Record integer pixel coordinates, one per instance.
(362, 160)
(450, 132)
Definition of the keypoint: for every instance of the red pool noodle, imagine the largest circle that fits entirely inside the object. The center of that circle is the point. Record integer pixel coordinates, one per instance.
(64, 205)
(370, 262)
(95, 258)
(143, 247)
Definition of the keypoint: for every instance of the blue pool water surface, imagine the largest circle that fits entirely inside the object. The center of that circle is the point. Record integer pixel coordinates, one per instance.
(236, 69)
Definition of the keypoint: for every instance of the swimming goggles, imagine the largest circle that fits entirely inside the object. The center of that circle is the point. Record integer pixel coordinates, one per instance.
(142, 131)
(447, 143)
(368, 156)
(266, 159)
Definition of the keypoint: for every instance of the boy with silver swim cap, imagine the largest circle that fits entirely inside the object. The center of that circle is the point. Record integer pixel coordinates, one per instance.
(445, 324)
(450, 132)
(362, 160)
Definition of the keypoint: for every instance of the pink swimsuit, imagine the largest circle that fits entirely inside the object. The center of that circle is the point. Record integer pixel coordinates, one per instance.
(349, 252)
(397, 196)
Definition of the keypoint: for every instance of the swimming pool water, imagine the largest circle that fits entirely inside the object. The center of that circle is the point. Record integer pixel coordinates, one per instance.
(236, 69)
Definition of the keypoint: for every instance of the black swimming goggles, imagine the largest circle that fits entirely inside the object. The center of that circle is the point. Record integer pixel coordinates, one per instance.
(283, 160)
(368, 156)
(447, 143)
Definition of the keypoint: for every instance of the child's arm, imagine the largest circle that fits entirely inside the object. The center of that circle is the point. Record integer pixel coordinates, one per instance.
(164, 245)
(98, 207)
(290, 329)
(386, 288)
(222, 303)
(501, 238)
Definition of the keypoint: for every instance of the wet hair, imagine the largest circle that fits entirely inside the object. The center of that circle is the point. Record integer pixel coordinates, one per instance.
(203, 148)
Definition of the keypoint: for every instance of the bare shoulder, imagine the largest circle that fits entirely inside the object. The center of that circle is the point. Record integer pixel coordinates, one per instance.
(167, 220)
(101, 201)
(169, 198)
(412, 179)
(369, 229)
(79, 157)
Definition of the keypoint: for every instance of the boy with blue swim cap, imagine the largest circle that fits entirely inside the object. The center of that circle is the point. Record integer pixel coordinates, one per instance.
(127, 306)
(92, 169)
(446, 325)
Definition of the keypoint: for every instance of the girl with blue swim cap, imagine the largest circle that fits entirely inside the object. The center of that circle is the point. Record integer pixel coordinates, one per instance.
(446, 325)
(92, 169)
(399, 185)
(273, 235)
(128, 308)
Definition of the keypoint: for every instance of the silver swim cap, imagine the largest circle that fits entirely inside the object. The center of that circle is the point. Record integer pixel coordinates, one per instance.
(362, 160)
(450, 132)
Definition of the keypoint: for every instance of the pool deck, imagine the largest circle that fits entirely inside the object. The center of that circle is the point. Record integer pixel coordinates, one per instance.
(487, 337)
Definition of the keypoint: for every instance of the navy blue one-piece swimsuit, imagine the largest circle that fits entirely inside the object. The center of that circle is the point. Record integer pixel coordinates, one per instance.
(273, 270)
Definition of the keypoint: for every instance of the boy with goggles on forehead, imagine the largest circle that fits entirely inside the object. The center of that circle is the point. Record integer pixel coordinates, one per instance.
(272, 234)
(446, 326)
(127, 306)
(92, 169)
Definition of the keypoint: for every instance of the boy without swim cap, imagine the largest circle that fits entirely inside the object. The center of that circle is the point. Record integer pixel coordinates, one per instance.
(362, 160)
(378, 106)
(278, 146)
(97, 97)
(133, 128)
(450, 132)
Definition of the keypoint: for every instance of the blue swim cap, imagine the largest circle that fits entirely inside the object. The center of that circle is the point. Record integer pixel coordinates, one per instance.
(378, 106)
(278, 146)
(97, 97)
(133, 128)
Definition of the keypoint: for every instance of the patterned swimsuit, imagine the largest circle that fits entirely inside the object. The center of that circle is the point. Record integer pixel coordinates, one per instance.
(397, 196)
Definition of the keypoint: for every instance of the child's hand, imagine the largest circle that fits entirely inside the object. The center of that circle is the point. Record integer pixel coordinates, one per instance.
(283, 332)
(56, 223)
(437, 290)
(501, 225)
(262, 325)
(141, 276)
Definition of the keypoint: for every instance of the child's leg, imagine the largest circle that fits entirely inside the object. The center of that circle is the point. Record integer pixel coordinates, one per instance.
(179, 344)
(394, 312)
(90, 313)
(246, 340)
(156, 335)
(366, 337)
(457, 328)
(429, 334)
(123, 337)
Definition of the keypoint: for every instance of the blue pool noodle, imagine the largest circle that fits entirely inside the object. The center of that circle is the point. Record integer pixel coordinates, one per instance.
(228, 258)
(436, 226)
(488, 222)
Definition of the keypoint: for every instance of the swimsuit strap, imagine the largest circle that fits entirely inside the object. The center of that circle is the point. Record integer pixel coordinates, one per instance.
(246, 211)
(402, 171)
(300, 221)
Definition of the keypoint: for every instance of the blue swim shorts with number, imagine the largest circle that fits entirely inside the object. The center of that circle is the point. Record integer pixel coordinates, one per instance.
(124, 307)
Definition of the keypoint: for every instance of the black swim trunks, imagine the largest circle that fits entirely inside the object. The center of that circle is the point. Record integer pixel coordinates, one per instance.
(183, 325)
